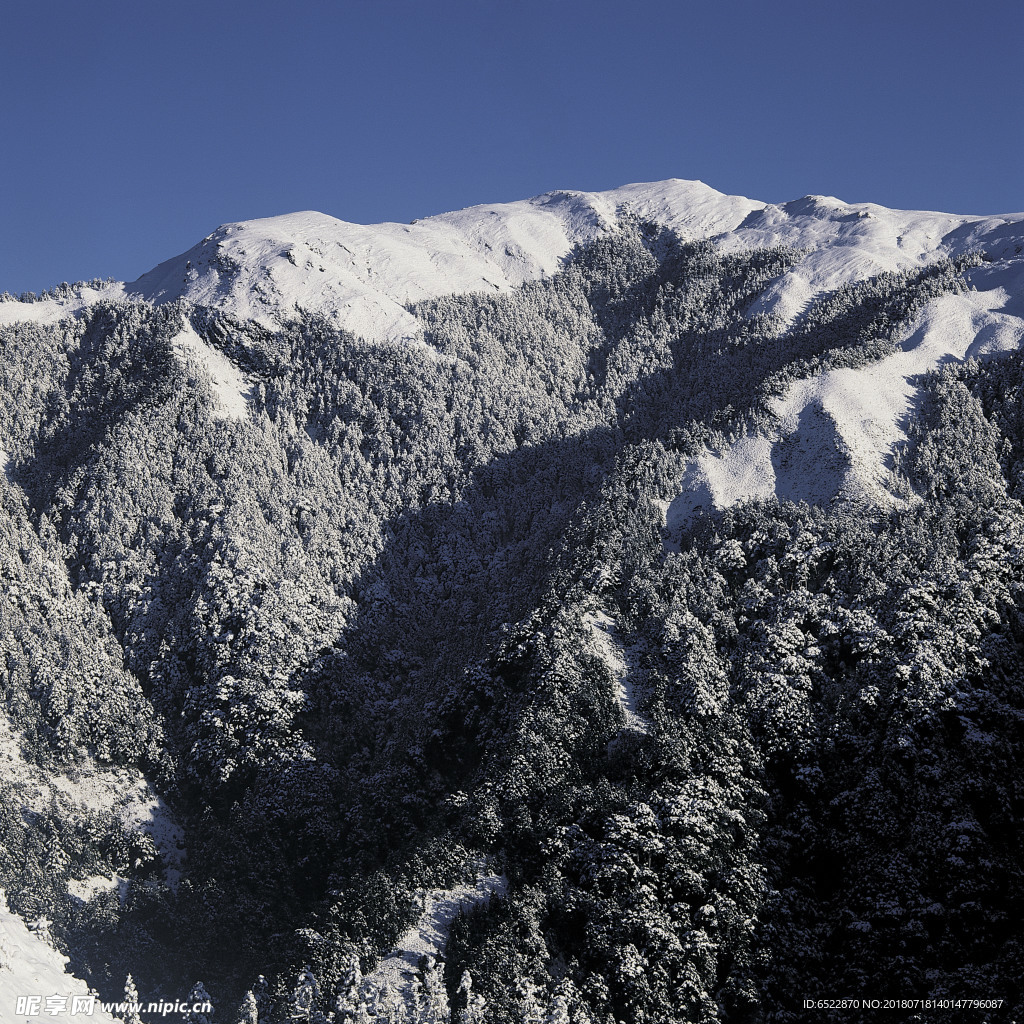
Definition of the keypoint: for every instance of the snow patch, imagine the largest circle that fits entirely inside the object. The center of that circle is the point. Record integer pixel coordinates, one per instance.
(49, 311)
(123, 792)
(430, 933)
(85, 889)
(230, 386)
(623, 663)
(835, 432)
(30, 966)
(363, 277)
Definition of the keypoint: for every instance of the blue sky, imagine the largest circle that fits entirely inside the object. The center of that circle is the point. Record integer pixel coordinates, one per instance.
(129, 130)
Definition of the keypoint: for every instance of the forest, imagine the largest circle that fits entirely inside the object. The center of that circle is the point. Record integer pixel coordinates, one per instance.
(349, 640)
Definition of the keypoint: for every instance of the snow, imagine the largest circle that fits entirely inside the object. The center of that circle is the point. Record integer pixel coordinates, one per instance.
(123, 792)
(430, 933)
(835, 432)
(850, 242)
(85, 889)
(621, 661)
(30, 966)
(229, 384)
(48, 311)
(363, 276)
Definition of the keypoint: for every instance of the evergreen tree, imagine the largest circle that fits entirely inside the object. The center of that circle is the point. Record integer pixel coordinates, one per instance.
(131, 998)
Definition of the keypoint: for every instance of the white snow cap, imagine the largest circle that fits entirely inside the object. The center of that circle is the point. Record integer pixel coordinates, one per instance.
(363, 276)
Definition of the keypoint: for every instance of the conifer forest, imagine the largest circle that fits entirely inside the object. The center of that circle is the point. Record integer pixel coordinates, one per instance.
(410, 642)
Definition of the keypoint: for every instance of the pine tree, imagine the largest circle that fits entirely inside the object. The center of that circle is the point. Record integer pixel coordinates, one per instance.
(387, 1005)
(248, 1011)
(436, 1009)
(558, 1008)
(528, 1006)
(131, 998)
(416, 1001)
(198, 1001)
(347, 995)
(305, 998)
(264, 1000)
(475, 1010)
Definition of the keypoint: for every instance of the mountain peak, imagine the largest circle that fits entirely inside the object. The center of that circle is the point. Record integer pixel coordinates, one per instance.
(362, 277)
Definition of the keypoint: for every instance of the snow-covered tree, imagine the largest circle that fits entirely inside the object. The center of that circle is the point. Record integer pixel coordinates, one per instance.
(131, 998)
(200, 1006)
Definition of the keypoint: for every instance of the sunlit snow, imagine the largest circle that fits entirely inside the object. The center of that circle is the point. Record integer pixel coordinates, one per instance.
(836, 431)
(48, 311)
(429, 935)
(621, 663)
(230, 387)
(30, 966)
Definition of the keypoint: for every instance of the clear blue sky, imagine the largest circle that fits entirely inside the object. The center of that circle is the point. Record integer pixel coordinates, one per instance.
(129, 130)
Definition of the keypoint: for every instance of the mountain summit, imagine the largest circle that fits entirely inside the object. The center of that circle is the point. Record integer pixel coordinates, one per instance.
(618, 595)
(362, 277)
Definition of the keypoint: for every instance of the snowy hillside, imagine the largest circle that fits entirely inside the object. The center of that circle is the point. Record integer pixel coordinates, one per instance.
(31, 967)
(344, 660)
(362, 277)
(835, 432)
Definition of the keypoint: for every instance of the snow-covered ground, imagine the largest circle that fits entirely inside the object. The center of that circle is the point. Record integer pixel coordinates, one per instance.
(123, 792)
(430, 933)
(48, 311)
(30, 966)
(230, 386)
(623, 663)
(836, 431)
(363, 276)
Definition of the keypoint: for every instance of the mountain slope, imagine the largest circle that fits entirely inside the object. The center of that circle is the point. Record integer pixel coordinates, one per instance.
(362, 277)
(334, 599)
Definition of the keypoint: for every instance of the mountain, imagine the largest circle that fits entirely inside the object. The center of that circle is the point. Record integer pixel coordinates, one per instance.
(364, 277)
(600, 606)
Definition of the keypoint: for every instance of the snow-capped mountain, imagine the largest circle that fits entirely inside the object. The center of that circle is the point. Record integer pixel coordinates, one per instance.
(363, 276)
(356, 612)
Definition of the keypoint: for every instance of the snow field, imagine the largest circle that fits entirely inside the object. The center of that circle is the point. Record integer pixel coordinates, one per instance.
(621, 661)
(30, 966)
(230, 386)
(835, 432)
(430, 933)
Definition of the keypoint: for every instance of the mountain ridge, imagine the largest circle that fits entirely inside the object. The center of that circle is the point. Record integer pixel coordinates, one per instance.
(362, 277)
